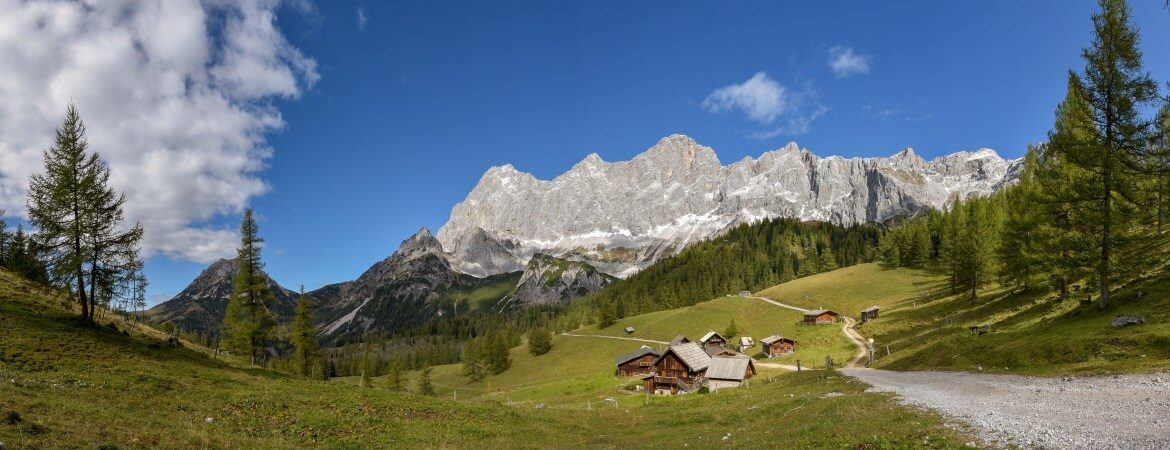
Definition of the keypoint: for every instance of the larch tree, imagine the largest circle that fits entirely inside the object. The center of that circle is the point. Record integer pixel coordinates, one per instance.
(248, 322)
(306, 353)
(1018, 251)
(1117, 90)
(79, 217)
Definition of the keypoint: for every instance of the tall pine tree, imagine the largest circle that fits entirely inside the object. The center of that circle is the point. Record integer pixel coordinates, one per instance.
(306, 354)
(1116, 89)
(79, 217)
(248, 322)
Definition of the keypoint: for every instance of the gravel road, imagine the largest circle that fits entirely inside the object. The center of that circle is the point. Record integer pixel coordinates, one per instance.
(1119, 412)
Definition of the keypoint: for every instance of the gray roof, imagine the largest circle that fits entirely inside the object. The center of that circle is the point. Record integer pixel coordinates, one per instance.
(635, 354)
(691, 354)
(678, 340)
(745, 340)
(870, 309)
(709, 335)
(717, 350)
(630, 329)
(728, 368)
(774, 338)
(817, 312)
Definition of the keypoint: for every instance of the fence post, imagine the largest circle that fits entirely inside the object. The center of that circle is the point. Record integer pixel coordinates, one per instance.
(798, 365)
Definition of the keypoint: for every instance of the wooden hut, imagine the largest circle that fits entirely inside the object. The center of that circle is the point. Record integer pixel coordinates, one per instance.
(681, 368)
(777, 345)
(820, 316)
(637, 362)
(868, 314)
(629, 330)
(680, 339)
(729, 372)
(713, 339)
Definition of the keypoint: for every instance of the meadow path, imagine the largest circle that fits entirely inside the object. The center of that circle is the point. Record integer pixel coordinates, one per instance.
(1119, 411)
(855, 337)
(651, 341)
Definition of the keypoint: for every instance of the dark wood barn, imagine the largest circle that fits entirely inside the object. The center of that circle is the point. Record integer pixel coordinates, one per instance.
(681, 368)
(713, 339)
(637, 362)
(868, 314)
(777, 345)
(820, 316)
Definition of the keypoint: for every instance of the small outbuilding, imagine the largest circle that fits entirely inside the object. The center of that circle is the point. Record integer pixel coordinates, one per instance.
(775, 345)
(637, 362)
(724, 352)
(729, 372)
(746, 343)
(629, 330)
(680, 339)
(745, 294)
(820, 316)
(713, 339)
(868, 314)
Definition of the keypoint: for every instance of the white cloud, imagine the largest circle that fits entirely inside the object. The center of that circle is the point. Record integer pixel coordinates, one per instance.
(896, 113)
(177, 96)
(760, 97)
(361, 17)
(846, 63)
(765, 101)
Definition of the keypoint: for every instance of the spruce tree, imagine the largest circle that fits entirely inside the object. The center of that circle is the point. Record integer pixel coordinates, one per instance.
(304, 336)
(1117, 90)
(1018, 252)
(394, 376)
(731, 331)
(79, 217)
(248, 322)
(539, 341)
(424, 382)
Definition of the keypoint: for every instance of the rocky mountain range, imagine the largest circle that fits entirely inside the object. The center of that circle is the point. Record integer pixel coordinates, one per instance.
(518, 241)
(201, 305)
(622, 216)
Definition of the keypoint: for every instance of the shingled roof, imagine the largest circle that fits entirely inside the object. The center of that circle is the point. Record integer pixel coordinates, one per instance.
(679, 340)
(774, 338)
(691, 354)
(709, 335)
(817, 312)
(728, 368)
(870, 309)
(636, 354)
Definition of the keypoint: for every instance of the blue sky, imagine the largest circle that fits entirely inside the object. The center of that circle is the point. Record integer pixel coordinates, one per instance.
(410, 102)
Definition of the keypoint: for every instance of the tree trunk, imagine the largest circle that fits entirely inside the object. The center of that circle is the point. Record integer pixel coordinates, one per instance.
(1063, 289)
(1105, 234)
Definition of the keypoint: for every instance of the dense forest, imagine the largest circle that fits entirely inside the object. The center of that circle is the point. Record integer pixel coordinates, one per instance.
(1089, 209)
(747, 257)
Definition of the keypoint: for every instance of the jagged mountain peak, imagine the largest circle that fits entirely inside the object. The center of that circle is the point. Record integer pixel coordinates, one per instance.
(625, 215)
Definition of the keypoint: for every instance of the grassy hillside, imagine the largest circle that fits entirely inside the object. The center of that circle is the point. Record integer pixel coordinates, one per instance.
(68, 386)
(926, 327)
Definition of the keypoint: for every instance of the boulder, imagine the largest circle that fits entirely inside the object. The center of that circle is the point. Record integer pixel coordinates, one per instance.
(1123, 320)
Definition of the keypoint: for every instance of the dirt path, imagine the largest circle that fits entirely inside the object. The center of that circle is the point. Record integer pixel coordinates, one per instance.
(651, 341)
(855, 337)
(1123, 411)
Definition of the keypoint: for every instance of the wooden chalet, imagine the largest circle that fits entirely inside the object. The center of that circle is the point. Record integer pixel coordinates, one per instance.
(729, 372)
(820, 316)
(746, 343)
(777, 345)
(713, 339)
(637, 362)
(680, 339)
(681, 368)
(868, 314)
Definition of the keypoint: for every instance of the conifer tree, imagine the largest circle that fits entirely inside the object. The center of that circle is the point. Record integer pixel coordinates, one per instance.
(1018, 252)
(248, 322)
(394, 376)
(79, 218)
(539, 341)
(304, 336)
(1117, 90)
(731, 331)
(424, 381)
